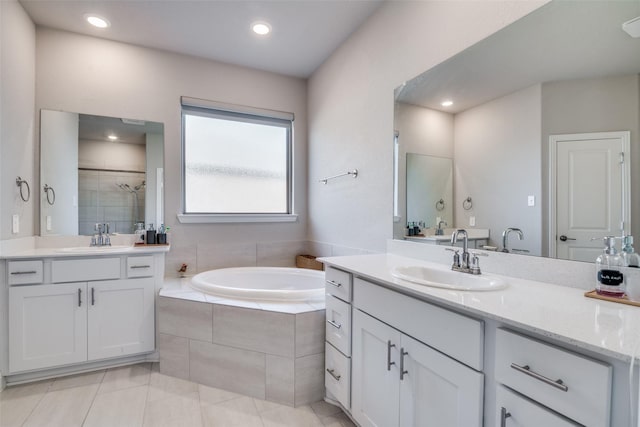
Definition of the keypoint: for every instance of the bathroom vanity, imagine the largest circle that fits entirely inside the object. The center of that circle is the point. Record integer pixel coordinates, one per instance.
(532, 354)
(68, 310)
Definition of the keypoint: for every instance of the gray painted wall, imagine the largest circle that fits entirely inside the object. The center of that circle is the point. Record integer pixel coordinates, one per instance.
(17, 115)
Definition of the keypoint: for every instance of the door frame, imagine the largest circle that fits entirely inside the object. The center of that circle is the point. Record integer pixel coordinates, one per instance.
(625, 138)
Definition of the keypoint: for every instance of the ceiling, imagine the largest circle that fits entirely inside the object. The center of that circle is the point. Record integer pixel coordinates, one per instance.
(560, 41)
(305, 32)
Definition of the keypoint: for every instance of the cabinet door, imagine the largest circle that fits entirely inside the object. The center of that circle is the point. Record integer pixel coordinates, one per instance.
(437, 391)
(47, 325)
(375, 374)
(515, 410)
(121, 318)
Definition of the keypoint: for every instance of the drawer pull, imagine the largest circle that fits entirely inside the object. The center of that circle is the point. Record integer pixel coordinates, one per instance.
(79, 297)
(93, 296)
(140, 266)
(402, 370)
(23, 272)
(389, 362)
(527, 370)
(334, 324)
(336, 284)
(332, 372)
(503, 416)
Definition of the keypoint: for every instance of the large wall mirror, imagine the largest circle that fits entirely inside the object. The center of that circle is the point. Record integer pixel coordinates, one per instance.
(96, 169)
(542, 128)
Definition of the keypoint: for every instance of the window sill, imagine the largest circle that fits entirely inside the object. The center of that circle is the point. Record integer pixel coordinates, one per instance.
(234, 218)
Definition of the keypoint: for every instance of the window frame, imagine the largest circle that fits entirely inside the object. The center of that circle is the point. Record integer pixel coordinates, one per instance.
(204, 108)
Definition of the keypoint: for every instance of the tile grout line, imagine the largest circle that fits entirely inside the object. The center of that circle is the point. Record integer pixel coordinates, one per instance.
(84, 420)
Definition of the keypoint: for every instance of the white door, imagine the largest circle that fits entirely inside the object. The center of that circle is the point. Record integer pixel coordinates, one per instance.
(47, 325)
(375, 375)
(589, 192)
(437, 391)
(121, 318)
(515, 410)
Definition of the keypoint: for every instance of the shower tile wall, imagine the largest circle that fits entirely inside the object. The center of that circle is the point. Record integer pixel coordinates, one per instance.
(101, 199)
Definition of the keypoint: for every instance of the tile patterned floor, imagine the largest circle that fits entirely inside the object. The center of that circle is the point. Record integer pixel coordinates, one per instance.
(139, 395)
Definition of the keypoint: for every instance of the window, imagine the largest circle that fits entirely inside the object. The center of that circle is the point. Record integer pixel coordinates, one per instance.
(236, 160)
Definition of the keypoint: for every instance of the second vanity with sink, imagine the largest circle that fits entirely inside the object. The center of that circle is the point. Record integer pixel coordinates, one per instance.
(73, 309)
(405, 353)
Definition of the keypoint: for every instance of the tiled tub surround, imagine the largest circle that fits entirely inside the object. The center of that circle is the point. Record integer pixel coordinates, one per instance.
(270, 351)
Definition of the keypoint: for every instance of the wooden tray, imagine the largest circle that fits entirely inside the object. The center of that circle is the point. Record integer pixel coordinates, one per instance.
(153, 244)
(623, 300)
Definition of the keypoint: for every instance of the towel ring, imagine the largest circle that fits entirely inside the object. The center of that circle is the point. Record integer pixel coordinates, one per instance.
(21, 183)
(467, 204)
(50, 191)
(440, 205)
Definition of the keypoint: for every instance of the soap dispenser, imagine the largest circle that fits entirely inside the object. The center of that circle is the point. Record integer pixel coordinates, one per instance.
(631, 258)
(609, 265)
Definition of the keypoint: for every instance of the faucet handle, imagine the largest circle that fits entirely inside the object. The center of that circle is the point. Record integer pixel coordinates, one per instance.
(456, 257)
(475, 264)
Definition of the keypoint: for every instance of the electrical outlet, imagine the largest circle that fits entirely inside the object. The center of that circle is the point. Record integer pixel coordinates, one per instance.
(48, 222)
(15, 224)
(531, 201)
(472, 221)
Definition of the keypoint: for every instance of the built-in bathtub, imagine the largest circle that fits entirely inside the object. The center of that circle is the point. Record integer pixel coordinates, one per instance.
(262, 283)
(236, 330)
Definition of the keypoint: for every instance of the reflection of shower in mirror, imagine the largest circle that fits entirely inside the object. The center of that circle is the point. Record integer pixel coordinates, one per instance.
(136, 202)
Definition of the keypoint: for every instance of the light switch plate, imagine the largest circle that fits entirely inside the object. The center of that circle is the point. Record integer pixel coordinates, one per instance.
(15, 224)
(48, 222)
(472, 221)
(531, 201)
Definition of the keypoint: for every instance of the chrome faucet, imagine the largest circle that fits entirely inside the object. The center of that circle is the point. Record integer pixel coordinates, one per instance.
(505, 237)
(101, 237)
(440, 230)
(469, 263)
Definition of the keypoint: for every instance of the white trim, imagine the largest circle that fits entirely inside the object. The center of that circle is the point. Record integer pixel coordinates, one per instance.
(234, 218)
(233, 108)
(624, 137)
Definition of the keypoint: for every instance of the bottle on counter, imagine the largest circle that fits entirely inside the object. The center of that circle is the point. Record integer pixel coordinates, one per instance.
(139, 232)
(632, 275)
(631, 258)
(161, 236)
(151, 235)
(609, 271)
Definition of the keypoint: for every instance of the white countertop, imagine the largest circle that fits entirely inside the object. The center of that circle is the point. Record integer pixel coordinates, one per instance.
(58, 252)
(554, 311)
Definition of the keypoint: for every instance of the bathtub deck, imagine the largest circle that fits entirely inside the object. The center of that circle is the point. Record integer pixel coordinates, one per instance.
(270, 351)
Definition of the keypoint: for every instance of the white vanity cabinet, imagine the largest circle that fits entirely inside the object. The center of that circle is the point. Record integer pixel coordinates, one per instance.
(338, 336)
(83, 319)
(516, 410)
(400, 381)
(47, 325)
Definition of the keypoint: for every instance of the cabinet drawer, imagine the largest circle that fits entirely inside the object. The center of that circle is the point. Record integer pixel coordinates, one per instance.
(25, 272)
(338, 283)
(424, 321)
(79, 270)
(518, 411)
(569, 383)
(140, 266)
(337, 375)
(338, 328)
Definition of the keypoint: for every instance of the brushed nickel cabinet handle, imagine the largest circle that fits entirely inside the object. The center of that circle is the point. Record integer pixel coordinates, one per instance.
(140, 266)
(334, 283)
(23, 272)
(503, 416)
(402, 370)
(332, 372)
(559, 384)
(389, 362)
(93, 296)
(334, 324)
(79, 297)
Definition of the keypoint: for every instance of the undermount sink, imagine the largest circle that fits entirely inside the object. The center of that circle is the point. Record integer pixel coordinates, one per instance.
(95, 249)
(440, 278)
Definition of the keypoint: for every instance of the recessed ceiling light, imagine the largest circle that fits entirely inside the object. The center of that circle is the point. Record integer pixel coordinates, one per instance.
(113, 137)
(446, 103)
(97, 21)
(261, 28)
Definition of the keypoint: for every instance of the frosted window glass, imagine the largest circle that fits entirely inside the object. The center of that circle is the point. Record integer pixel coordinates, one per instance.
(235, 166)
